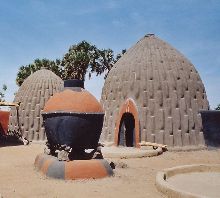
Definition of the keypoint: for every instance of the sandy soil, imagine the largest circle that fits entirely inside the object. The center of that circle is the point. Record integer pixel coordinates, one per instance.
(204, 184)
(18, 177)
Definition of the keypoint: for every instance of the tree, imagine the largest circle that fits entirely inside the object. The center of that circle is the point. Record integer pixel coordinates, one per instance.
(118, 56)
(80, 59)
(83, 58)
(218, 107)
(25, 71)
(108, 60)
(2, 94)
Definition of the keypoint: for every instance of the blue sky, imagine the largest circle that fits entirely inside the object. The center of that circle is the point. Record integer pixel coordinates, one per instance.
(31, 29)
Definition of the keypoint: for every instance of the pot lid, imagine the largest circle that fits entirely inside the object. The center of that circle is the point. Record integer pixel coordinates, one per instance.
(73, 100)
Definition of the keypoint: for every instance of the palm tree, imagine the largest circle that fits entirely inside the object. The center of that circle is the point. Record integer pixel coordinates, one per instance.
(79, 60)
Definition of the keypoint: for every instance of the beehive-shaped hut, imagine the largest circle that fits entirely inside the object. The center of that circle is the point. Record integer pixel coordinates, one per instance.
(153, 93)
(32, 95)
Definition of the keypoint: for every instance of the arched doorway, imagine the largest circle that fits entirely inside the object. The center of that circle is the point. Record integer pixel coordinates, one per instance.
(126, 130)
(127, 114)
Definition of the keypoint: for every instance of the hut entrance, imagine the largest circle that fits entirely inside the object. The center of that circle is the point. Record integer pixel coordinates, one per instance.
(127, 125)
(126, 135)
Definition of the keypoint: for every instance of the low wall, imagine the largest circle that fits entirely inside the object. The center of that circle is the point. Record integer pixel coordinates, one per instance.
(168, 189)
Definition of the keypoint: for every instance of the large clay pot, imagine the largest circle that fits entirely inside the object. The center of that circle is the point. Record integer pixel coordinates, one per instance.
(211, 127)
(73, 117)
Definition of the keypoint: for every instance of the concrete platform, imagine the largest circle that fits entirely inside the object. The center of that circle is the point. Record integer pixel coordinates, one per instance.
(194, 181)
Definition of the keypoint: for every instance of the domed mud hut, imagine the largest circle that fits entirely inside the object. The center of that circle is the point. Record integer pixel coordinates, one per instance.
(153, 94)
(32, 95)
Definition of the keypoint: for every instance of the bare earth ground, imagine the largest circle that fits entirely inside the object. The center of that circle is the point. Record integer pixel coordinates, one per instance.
(204, 183)
(18, 177)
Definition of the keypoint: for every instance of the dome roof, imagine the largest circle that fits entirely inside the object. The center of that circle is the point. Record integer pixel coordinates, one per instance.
(166, 89)
(32, 95)
(73, 101)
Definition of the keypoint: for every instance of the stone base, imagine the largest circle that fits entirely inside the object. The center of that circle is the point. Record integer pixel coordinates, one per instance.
(71, 170)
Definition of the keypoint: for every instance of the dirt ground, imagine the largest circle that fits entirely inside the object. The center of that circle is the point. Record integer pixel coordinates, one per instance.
(18, 177)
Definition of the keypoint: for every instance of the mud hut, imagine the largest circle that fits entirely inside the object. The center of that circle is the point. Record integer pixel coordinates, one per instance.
(153, 93)
(32, 95)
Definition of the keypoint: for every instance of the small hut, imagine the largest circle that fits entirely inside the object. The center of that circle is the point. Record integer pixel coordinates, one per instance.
(32, 95)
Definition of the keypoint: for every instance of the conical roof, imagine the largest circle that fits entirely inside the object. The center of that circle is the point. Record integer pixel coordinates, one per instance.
(32, 95)
(166, 89)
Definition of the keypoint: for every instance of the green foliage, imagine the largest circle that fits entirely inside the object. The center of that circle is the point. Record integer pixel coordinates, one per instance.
(118, 56)
(109, 60)
(25, 71)
(2, 93)
(84, 57)
(81, 58)
(218, 107)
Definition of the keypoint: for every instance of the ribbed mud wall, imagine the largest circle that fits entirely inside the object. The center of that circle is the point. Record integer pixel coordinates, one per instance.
(166, 89)
(32, 95)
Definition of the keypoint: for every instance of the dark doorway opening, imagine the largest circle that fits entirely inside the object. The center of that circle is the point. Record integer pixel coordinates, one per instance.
(126, 135)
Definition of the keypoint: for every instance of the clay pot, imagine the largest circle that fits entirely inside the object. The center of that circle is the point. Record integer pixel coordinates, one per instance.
(211, 127)
(73, 117)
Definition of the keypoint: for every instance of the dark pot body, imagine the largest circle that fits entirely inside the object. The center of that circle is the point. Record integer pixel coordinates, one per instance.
(211, 127)
(77, 130)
